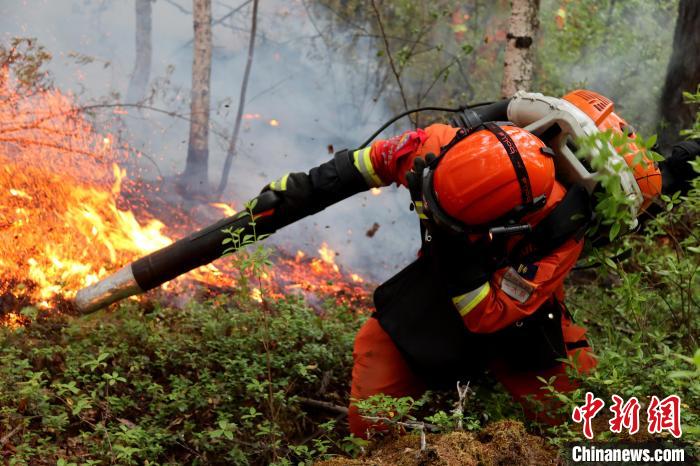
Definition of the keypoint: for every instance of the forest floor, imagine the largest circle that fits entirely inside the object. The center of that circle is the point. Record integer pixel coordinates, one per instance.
(501, 442)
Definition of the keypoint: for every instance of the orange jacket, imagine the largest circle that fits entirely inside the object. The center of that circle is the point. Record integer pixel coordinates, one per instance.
(511, 293)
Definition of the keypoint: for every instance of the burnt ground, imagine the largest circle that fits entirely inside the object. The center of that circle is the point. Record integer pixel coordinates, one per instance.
(500, 443)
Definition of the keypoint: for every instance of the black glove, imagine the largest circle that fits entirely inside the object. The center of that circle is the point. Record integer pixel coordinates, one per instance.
(305, 194)
(414, 177)
(676, 171)
(296, 195)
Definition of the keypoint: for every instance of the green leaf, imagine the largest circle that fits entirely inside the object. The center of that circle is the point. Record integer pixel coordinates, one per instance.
(610, 263)
(651, 141)
(614, 230)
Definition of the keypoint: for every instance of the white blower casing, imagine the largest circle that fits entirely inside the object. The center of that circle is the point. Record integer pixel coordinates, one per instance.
(537, 113)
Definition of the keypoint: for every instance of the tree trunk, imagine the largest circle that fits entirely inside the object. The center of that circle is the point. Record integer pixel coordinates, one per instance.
(195, 177)
(683, 74)
(522, 29)
(142, 65)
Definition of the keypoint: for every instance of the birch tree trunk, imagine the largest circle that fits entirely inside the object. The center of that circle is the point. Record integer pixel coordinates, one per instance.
(522, 29)
(195, 177)
(683, 74)
(142, 65)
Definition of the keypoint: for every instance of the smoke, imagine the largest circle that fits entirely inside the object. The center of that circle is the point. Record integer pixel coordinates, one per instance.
(313, 79)
(623, 52)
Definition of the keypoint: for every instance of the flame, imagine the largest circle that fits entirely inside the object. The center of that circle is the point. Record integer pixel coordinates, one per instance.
(375, 191)
(227, 210)
(328, 255)
(318, 277)
(274, 122)
(13, 320)
(20, 193)
(61, 227)
(70, 217)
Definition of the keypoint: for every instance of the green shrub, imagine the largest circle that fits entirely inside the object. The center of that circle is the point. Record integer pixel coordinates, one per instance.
(214, 383)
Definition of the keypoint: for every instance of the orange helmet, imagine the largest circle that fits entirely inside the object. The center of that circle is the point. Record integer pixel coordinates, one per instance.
(490, 174)
(601, 110)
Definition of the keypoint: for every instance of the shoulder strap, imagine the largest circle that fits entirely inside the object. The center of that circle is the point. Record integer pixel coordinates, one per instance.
(569, 219)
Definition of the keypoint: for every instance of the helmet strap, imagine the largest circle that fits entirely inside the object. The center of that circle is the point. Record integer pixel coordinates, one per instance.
(515, 159)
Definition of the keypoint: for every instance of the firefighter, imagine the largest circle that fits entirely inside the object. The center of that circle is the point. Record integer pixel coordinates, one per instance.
(503, 208)
(476, 299)
(500, 234)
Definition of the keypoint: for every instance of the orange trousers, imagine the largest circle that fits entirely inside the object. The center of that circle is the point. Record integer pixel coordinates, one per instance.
(379, 367)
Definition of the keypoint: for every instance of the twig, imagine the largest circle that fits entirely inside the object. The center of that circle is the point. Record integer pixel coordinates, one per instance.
(241, 103)
(271, 88)
(170, 113)
(179, 7)
(324, 405)
(9, 435)
(30, 142)
(412, 424)
(438, 75)
(388, 53)
(231, 13)
(222, 19)
(462, 392)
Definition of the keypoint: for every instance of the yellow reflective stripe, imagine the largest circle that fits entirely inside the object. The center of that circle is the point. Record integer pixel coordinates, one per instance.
(283, 182)
(363, 162)
(419, 209)
(468, 301)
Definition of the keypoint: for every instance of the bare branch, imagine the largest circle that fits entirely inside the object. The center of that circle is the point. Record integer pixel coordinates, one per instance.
(10, 434)
(462, 393)
(178, 6)
(50, 145)
(231, 13)
(388, 53)
(241, 103)
(219, 21)
(324, 405)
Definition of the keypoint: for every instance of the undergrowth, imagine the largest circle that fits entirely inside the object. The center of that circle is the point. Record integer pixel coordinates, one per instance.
(175, 386)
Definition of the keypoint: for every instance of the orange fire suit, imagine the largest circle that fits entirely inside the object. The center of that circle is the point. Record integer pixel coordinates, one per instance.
(507, 297)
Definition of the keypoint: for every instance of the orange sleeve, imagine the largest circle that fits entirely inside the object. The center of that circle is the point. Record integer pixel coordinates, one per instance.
(392, 158)
(512, 297)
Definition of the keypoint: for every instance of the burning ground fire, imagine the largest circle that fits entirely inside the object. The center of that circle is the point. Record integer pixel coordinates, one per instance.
(65, 221)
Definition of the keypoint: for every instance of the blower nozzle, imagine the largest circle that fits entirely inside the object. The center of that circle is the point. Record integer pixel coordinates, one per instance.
(200, 248)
